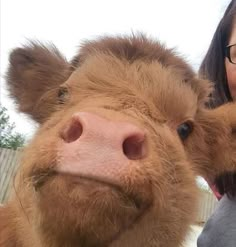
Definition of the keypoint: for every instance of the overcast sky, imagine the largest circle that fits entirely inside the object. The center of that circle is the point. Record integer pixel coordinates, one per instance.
(187, 25)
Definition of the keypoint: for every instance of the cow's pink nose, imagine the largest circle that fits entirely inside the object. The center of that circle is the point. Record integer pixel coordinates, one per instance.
(105, 137)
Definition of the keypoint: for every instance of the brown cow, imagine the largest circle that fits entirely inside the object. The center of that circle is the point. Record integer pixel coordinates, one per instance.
(123, 134)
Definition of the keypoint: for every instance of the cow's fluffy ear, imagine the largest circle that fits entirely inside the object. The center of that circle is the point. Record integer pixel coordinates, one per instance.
(223, 149)
(212, 146)
(34, 75)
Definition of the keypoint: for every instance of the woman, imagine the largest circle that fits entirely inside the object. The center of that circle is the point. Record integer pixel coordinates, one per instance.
(219, 66)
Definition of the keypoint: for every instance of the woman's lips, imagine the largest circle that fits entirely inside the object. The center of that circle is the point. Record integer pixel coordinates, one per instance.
(215, 191)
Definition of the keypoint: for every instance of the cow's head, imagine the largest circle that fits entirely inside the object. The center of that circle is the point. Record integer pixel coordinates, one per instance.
(123, 134)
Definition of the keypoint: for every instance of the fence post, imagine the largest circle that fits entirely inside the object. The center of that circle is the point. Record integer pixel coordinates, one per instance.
(9, 161)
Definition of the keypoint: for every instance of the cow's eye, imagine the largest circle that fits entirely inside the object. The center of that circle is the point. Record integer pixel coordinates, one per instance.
(185, 129)
(62, 95)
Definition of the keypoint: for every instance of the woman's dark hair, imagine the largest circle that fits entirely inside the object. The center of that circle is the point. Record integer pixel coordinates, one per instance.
(213, 69)
(213, 64)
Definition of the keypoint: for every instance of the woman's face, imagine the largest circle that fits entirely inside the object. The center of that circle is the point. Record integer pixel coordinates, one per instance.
(231, 68)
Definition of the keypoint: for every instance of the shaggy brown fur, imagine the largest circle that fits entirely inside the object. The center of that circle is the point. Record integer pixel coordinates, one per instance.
(128, 79)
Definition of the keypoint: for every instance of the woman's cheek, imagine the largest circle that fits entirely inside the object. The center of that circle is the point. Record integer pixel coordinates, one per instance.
(231, 77)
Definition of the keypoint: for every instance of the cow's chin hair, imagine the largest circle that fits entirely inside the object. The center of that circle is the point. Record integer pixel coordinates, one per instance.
(84, 212)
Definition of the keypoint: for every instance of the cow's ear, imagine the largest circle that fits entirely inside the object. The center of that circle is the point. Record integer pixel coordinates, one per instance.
(223, 143)
(34, 75)
(212, 147)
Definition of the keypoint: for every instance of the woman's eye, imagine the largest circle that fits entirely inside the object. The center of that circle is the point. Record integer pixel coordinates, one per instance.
(185, 129)
(62, 94)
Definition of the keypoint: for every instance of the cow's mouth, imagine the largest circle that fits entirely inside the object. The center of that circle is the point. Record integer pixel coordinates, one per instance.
(133, 198)
(140, 199)
(114, 209)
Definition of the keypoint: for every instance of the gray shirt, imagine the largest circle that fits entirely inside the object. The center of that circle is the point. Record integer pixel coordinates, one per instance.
(220, 229)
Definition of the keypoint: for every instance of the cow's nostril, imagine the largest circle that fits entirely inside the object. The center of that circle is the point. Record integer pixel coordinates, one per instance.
(134, 147)
(72, 131)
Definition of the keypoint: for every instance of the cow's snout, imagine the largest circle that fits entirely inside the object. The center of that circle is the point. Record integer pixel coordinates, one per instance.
(101, 135)
(97, 147)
